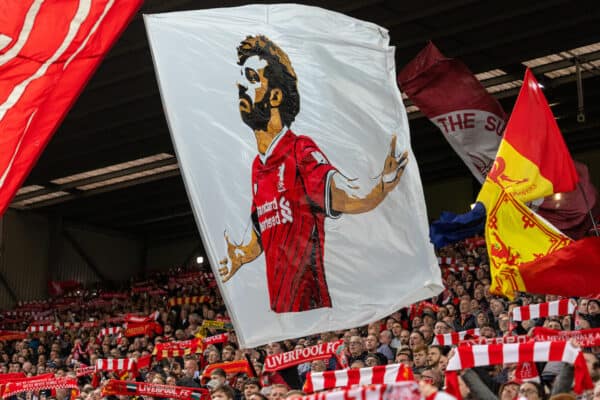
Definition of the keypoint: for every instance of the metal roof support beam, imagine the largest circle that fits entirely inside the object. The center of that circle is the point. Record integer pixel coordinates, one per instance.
(97, 178)
(82, 253)
(105, 189)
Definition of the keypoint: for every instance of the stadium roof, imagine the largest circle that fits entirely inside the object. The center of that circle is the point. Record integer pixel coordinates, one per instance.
(111, 164)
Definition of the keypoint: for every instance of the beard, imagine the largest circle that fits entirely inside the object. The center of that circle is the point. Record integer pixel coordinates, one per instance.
(260, 113)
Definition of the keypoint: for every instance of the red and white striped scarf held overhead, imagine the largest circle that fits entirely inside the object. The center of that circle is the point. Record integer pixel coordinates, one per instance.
(111, 330)
(316, 381)
(542, 310)
(447, 339)
(116, 364)
(398, 391)
(41, 328)
(466, 357)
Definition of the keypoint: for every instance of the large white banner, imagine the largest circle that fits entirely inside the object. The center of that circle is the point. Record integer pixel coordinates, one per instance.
(295, 151)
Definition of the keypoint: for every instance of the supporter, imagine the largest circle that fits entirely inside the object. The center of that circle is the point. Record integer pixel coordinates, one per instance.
(427, 331)
(190, 374)
(497, 307)
(218, 376)
(596, 392)
(553, 323)
(509, 390)
(60, 353)
(278, 391)
(357, 364)
(318, 366)
(251, 386)
(385, 347)
(404, 338)
(416, 339)
(294, 394)
(434, 353)
(441, 328)
(465, 320)
(373, 359)
(222, 392)
(532, 391)
(396, 332)
(419, 358)
(404, 356)
(228, 353)
(432, 377)
(591, 361)
(356, 349)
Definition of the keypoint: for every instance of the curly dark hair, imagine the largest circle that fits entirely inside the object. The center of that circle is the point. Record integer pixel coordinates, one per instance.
(279, 72)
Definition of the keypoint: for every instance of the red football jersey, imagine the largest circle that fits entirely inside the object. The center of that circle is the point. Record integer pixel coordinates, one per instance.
(291, 197)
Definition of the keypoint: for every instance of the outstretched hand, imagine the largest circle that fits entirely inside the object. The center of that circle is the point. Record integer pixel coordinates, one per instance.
(393, 167)
(231, 263)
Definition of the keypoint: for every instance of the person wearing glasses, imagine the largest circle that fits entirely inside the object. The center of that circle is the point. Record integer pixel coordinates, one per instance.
(356, 349)
(532, 391)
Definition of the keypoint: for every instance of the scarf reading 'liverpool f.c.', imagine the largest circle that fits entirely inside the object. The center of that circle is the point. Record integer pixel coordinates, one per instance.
(122, 388)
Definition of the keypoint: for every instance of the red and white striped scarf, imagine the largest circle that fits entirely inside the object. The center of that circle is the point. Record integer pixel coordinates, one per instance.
(77, 325)
(496, 340)
(408, 390)
(495, 354)
(447, 339)
(542, 310)
(41, 328)
(116, 364)
(316, 381)
(446, 260)
(111, 330)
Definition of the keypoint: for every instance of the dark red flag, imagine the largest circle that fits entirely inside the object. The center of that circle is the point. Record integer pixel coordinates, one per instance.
(448, 93)
(570, 211)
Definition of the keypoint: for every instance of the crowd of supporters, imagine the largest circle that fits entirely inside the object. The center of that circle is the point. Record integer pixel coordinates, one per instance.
(66, 334)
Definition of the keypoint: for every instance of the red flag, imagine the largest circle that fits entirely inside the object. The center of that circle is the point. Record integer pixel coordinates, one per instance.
(452, 97)
(48, 51)
(576, 264)
(532, 162)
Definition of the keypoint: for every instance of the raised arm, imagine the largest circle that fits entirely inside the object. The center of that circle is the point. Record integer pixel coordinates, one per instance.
(238, 255)
(344, 193)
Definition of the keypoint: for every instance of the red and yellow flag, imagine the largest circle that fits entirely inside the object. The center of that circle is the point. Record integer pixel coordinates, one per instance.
(532, 162)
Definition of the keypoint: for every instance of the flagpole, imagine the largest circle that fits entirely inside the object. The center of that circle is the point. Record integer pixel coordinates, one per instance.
(589, 209)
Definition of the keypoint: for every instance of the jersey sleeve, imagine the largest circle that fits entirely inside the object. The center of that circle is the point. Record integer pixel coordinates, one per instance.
(316, 172)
